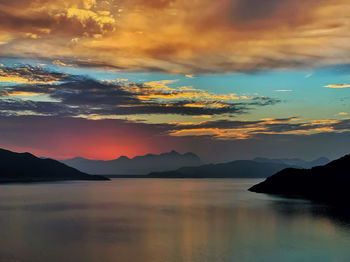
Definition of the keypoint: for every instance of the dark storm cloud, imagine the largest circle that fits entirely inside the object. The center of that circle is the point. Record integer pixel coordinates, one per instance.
(336, 125)
(85, 91)
(29, 74)
(344, 124)
(279, 128)
(15, 106)
(229, 124)
(80, 95)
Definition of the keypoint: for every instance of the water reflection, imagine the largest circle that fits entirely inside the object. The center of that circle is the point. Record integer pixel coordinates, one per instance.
(164, 220)
(337, 214)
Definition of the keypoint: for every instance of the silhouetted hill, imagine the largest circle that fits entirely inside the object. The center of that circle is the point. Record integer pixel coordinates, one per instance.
(234, 169)
(329, 182)
(25, 167)
(139, 165)
(295, 161)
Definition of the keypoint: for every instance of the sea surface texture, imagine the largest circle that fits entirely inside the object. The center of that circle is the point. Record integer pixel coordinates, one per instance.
(161, 220)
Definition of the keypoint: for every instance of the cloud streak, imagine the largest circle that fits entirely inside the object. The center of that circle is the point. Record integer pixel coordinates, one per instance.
(338, 86)
(231, 130)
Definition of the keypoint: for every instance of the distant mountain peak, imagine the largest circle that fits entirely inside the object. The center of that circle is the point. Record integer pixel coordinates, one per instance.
(190, 154)
(123, 158)
(173, 152)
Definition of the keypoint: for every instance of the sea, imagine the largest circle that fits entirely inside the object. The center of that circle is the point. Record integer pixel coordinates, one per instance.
(166, 220)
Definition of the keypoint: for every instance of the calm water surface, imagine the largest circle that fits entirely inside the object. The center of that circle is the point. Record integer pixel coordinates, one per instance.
(155, 220)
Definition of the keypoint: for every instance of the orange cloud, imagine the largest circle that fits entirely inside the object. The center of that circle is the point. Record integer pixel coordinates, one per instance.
(216, 132)
(160, 90)
(23, 93)
(338, 86)
(161, 85)
(179, 36)
(245, 130)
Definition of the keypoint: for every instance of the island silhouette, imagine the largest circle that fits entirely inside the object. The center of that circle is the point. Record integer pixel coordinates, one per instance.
(327, 183)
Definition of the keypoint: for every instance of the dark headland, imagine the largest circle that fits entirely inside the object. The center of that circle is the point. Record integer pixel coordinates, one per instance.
(25, 168)
(328, 183)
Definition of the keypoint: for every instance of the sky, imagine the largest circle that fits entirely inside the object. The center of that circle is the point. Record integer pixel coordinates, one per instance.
(225, 79)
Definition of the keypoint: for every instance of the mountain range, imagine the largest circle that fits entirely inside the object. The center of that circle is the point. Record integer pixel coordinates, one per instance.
(295, 161)
(139, 165)
(25, 167)
(234, 169)
(188, 165)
